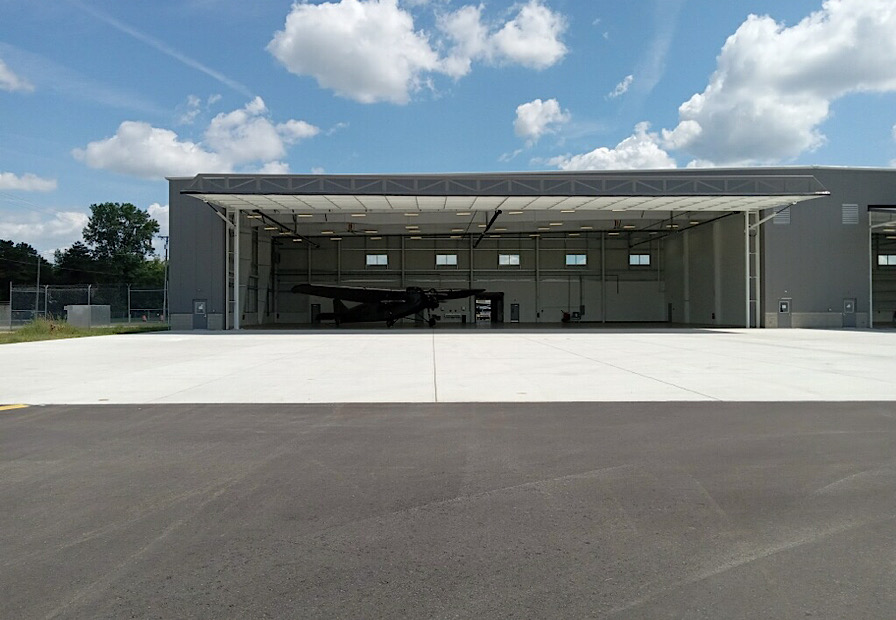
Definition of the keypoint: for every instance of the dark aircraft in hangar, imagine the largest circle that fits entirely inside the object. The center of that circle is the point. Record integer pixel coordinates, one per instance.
(382, 304)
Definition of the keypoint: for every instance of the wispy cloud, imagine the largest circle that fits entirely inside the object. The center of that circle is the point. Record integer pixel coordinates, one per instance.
(653, 64)
(163, 48)
(12, 82)
(49, 75)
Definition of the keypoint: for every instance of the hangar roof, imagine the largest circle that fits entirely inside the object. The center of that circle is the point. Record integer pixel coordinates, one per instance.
(681, 190)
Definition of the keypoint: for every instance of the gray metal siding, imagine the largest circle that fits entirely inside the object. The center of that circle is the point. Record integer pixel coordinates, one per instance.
(196, 254)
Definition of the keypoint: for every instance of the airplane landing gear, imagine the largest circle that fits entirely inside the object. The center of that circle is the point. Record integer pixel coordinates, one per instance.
(433, 319)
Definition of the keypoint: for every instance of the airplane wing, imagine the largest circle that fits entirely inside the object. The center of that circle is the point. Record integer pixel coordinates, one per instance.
(349, 293)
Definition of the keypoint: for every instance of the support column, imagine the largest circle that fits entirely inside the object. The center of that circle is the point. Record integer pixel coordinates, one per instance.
(870, 275)
(757, 266)
(603, 277)
(686, 259)
(228, 266)
(236, 270)
(747, 269)
(537, 241)
(717, 271)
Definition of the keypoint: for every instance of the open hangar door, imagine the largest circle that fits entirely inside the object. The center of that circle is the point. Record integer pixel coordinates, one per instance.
(883, 265)
(598, 247)
(682, 268)
(616, 273)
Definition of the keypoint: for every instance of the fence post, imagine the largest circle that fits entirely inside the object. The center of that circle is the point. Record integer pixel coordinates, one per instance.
(129, 304)
(88, 294)
(46, 299)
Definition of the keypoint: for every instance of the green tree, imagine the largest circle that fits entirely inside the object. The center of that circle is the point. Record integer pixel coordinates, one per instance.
(19, 265)
(151, 273)
(76, 265)
(120, 237)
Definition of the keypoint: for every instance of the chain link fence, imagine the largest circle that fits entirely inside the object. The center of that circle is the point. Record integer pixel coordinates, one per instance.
(127, 303)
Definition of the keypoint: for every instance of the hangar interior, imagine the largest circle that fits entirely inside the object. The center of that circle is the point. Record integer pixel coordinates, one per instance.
(675, 247)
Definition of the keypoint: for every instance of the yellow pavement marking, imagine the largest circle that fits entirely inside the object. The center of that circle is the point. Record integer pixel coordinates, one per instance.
(9, 407)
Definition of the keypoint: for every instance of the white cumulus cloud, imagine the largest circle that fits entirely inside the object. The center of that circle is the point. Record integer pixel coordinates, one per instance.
(774, 85)
(45, 232)
(371, 50)
(27, 182)
(532, 38)
(641, 150)
(536, 118)
(11, 82)
(141, 150)
(364, 50)
(239, 138)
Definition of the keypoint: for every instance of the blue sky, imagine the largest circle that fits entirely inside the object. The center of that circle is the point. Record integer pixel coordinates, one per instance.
(101, 99)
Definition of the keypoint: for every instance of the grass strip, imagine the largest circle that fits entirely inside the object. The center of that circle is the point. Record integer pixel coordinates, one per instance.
(43, 329)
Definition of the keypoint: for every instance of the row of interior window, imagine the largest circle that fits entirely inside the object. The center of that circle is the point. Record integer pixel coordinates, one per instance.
(509, 260)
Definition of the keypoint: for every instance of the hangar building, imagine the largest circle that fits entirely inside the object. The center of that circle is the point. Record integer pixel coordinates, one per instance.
(751, 247)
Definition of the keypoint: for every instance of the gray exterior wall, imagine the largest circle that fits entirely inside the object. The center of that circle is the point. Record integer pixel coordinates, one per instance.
(817, 260)
(197, 269)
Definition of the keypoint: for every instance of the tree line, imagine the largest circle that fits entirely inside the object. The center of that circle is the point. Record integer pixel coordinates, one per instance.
(116, 247)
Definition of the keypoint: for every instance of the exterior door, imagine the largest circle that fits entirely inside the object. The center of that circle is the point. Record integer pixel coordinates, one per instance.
(849, 313)
(784, 313)
(200, 314)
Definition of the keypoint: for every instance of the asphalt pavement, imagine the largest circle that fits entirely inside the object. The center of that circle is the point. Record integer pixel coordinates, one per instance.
(560, 510)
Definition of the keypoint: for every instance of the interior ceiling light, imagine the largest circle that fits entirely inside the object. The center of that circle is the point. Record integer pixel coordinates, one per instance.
(629, 227)
(514, 213)
(272, 228)
(297, 240)
(253, 216)
(555, 224)
(694, 222)
(567, 210)
(574, 234)
(457, 230)
(306, 215)
(335, 238)
(500, 230)
(481, 225)
(543, 228)
(412, 214)
(614, 234)
(412, 227)
(586, 227)
(534, 235)
(417, 238)
(359, 215)
(464, 213)
(456, 236)
(375, 238)
(371, 232)
(326, 232)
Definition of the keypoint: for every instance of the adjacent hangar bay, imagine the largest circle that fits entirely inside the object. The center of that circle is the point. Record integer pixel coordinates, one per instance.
(751, 247)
